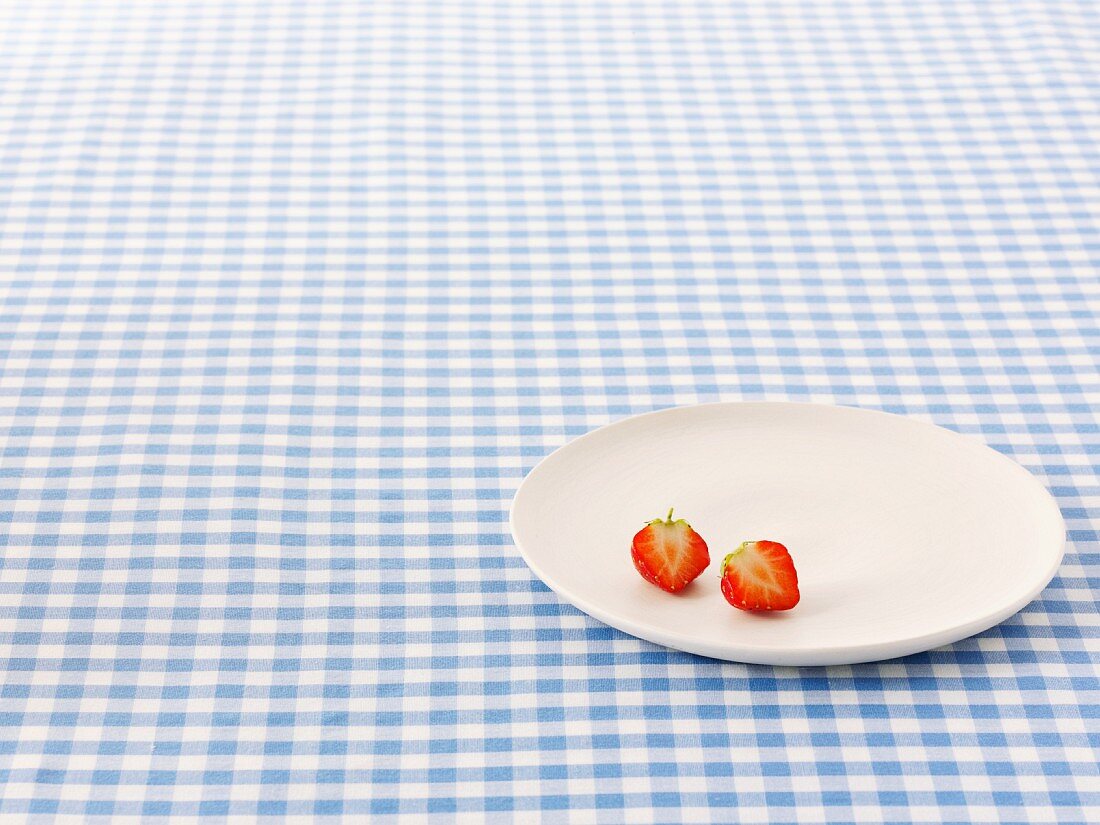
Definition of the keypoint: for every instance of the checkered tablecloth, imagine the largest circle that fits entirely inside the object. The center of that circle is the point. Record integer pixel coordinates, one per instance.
(294, 293)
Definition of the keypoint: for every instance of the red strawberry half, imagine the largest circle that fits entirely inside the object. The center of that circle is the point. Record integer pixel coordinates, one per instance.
(760, 575)
(669, 553)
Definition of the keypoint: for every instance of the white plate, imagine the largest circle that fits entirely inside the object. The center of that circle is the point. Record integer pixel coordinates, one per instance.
(906, 536)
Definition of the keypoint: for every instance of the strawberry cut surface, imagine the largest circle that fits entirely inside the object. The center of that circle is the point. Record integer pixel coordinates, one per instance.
(670, 554)
(760, 575)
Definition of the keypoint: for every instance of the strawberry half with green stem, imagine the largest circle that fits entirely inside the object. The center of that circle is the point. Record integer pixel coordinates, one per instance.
(760, 575)
(669, 553)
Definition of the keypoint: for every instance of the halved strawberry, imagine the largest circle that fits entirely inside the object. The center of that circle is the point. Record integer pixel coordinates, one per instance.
(760, 575)
(669, 553)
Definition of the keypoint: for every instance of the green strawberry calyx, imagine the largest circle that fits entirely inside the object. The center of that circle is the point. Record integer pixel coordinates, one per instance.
(667, 520)
(726, 560)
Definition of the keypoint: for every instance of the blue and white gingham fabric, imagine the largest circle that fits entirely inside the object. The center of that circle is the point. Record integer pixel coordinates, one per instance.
(293, 294)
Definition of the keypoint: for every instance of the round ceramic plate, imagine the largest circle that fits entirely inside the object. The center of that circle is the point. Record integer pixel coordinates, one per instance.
(906, 536)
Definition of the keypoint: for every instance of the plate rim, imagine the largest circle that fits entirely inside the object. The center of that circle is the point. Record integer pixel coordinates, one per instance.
(799, 656)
